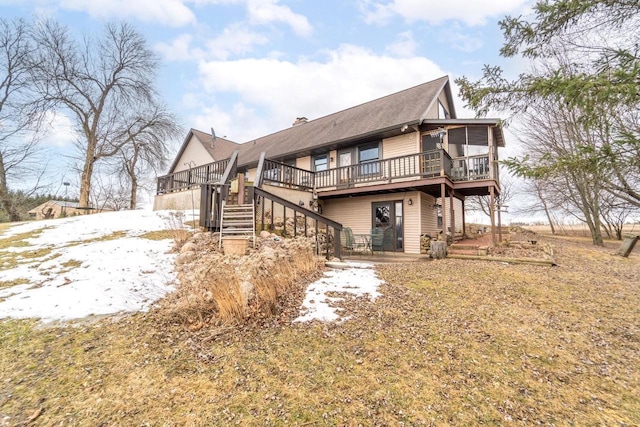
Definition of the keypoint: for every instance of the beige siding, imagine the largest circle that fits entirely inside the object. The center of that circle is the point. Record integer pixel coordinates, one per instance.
(355, 213)
(433, 111)
(457, 210)
(304, 163)
(401, 145)
(194, 152)
(251, 174)
(293, 196)
(333, 159)
(412, 223)
(428, 215)
(443, 99)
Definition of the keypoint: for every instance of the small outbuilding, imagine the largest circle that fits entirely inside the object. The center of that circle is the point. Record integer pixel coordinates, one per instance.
(55, 209)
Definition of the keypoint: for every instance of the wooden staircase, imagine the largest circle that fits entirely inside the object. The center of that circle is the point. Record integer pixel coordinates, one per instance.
(238, 221)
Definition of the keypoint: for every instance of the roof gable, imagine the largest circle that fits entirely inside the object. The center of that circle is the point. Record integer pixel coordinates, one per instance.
(407, 107)
(219, 149)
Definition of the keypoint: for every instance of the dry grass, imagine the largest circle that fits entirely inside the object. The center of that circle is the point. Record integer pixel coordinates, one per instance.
(451, 342)
(175, 224)
(14, 282)
(158, 235)
(222, 293)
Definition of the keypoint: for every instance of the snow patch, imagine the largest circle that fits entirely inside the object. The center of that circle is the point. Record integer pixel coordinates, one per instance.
(126, 274)
(358, 280)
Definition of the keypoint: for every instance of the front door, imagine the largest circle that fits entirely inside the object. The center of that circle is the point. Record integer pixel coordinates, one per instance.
(387, 226)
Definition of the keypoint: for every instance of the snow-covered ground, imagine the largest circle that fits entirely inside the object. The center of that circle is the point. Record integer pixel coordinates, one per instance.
(80, 275)
(358, 280)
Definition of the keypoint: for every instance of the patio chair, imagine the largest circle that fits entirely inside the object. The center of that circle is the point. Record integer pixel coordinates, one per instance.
(347, 240)
(388, 240)
(377, 236)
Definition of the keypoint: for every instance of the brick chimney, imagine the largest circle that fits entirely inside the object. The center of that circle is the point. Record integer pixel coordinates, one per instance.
(300, 121)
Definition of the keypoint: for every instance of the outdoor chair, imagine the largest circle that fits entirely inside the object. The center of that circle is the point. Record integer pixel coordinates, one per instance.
(352, 243)
(376, 239)
(347, 240)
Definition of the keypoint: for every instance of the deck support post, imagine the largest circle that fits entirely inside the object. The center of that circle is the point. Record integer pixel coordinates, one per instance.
(464, 221)
(492, 210)
(443, 206)
(499, 222)
(452, 227)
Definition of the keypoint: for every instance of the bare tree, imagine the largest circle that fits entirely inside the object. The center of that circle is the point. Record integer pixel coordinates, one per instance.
(146, 147)
(615, 213)
(96, 82)
(558, 145)
(19, 151)
(483, 203)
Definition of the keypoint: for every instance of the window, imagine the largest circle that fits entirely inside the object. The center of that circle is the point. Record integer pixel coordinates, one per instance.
(321, 162)
(368, 156)
(442, 112)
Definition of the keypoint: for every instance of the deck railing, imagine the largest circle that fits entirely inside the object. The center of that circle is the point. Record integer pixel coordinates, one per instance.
(274, 213)
(423, 165)
(287, 175)
(209, 173)
(471, 168)
(213, 194)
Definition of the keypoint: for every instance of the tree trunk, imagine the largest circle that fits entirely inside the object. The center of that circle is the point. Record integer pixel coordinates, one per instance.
(133, 200)
(5, 197)
(87, 172)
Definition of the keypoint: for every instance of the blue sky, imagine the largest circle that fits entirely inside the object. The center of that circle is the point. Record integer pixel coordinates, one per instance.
(250, 67)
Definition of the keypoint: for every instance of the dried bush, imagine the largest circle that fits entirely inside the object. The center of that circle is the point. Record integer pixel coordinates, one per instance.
(220, 289)
(175, 223)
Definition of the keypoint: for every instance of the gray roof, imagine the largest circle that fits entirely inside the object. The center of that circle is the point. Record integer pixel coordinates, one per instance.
(370, 119)
(222, 148)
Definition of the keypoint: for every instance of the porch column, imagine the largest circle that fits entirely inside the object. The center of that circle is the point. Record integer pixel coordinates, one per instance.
(443, 196)
(464, 221)
(499, 222)
(453, 214)
(492, 205)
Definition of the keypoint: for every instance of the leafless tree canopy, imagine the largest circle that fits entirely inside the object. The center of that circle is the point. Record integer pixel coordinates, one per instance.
(144, 149)
(99, 83)
(18, 149)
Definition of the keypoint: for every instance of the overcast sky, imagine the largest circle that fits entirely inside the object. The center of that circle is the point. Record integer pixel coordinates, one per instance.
(250, 67)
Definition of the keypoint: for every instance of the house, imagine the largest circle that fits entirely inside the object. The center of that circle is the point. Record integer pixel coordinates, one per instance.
(399, 167)
(54, 209)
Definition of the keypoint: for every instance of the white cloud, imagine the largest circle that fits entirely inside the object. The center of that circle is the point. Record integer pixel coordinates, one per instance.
(269, 11)
(168, 12)
(404, 46)
(236, 39)
(460, 40)
(59, 130)
(271, 93)
(179, 49)
(437, 12)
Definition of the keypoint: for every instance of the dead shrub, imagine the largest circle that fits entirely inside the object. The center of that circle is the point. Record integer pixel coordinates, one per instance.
(175, 223)
(230, 290)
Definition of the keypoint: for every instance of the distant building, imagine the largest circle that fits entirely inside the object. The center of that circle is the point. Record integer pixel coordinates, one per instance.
(55, 209)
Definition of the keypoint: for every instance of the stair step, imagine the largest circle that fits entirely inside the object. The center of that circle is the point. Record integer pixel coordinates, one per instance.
(464, 247)
(462, 252)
